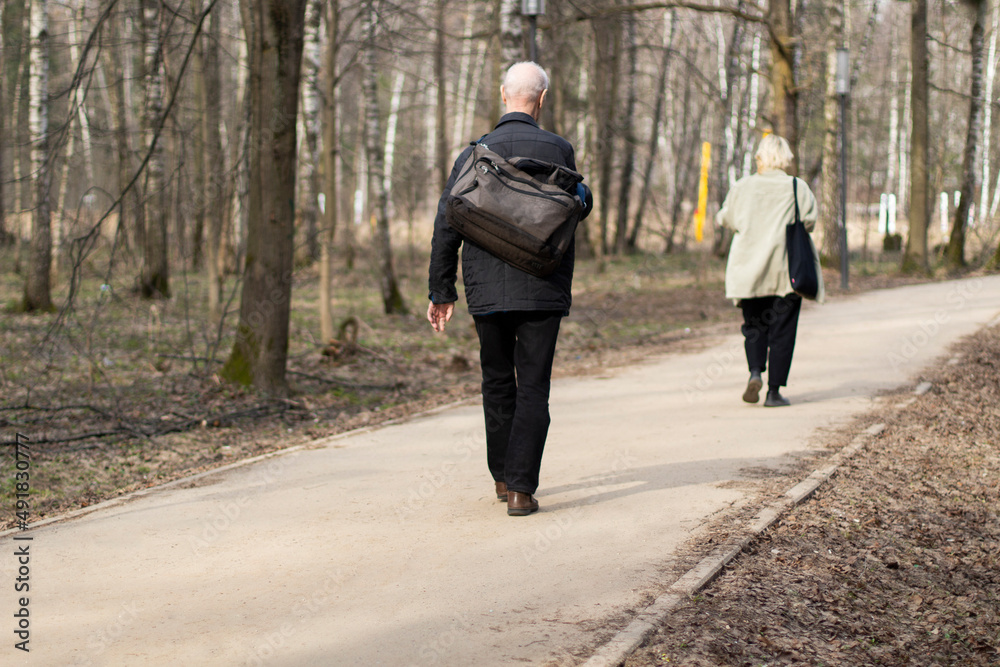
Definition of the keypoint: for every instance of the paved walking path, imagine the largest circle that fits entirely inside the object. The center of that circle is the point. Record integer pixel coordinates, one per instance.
(388, 547)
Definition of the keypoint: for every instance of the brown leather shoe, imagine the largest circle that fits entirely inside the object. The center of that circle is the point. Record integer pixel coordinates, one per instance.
(502, 491)
(520, 504)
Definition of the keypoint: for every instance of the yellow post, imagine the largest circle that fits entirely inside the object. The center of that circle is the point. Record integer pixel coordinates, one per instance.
(699, 214)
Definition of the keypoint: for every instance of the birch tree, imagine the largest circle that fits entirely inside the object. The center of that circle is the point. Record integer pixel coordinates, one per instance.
(752, 104)
(830, 174)
(154, 281)
(390, 132)
(392, 298)
(462, 90)
(331, 157)
(22, 112)
(274, 30)
(915, 257)
(954, 257)
(584, 245)
(37, 288)
(312, 107)
(729, 77)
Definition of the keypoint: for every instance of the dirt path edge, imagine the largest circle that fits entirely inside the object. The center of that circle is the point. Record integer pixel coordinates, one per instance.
(622, 645)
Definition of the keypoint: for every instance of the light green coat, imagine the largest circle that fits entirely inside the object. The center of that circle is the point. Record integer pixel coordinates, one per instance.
(757, 209)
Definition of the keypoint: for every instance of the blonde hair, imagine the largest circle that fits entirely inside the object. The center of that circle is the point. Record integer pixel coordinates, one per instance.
(773, 153)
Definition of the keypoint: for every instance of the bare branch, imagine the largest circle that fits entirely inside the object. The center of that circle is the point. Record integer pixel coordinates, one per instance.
(673, 4)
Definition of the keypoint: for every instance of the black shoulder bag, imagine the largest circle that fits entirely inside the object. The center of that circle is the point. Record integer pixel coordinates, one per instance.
(520, 210)
(801, 260)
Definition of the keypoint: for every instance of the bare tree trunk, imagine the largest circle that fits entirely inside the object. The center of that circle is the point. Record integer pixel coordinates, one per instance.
(830, 179)
(784, 93)
(358, 204)
(752, 104)
(59, 194)
(954, 258)
(275, 42)
(462, 90)
(441, 150)
(606, 39)
(22, 158)
(202, 166)
(991, 68)
(331, 156)
(584, 245)
(511, 32)
(131, 224)
(628, 125)
(684, 167)
(213, 192)
(495, 64)
(37, 289)
(312, 97)
(726, 150)
(77, 103)
(905, 131)
(390, 131)
(892, 160)
(392, 298)
(654, 135)
(154, 282)
(915, 257)
(242, 149)
(3, 132)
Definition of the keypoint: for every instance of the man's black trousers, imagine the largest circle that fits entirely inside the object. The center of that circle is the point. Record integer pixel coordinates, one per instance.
(769, 325)
(516, 352)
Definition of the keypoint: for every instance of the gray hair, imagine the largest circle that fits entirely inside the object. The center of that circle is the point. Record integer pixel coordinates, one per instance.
(525, 81)
(773, 153)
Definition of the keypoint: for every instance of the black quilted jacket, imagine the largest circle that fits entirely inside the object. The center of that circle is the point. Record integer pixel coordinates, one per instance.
(492, 285)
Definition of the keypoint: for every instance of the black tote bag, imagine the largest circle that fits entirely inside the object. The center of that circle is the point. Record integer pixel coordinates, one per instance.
(801, 260)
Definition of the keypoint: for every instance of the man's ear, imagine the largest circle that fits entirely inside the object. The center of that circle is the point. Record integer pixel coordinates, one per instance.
(541, 98)
(503, 95)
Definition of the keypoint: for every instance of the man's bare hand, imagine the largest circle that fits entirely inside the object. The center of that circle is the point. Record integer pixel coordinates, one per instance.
(438, 314)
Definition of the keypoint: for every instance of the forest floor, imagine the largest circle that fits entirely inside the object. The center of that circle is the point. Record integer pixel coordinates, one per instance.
(899, 551)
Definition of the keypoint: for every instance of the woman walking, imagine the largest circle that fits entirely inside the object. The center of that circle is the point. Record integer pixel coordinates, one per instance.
(757, 209)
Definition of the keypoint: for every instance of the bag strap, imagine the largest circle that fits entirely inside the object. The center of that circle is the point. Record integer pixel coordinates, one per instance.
(795, 196)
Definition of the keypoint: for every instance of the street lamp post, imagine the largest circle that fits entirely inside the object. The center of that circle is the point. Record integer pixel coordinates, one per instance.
(532, 9)
(843, 90)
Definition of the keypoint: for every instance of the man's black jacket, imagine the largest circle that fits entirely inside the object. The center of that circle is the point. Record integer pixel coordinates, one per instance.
(492, 285)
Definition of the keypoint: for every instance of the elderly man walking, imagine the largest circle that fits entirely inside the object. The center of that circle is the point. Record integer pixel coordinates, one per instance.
(517, 315)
